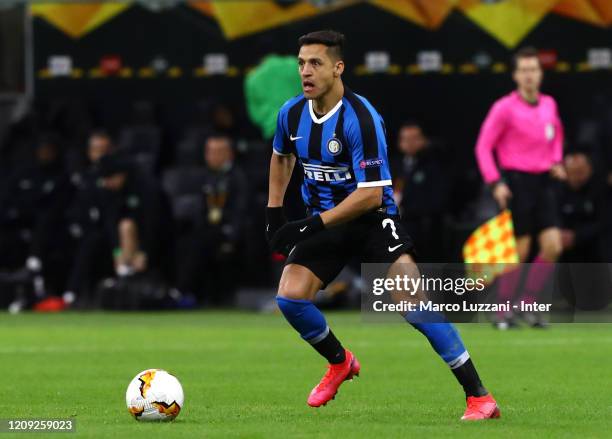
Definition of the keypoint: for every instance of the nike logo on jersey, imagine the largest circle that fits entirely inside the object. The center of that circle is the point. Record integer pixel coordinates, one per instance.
(303, 228)
(294, 138)
(392, 249)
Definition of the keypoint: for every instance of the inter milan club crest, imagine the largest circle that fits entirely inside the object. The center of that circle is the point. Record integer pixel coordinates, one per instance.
(334, 146)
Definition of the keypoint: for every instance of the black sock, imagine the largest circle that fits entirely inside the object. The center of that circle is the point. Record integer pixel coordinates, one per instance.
(468, 377)
(330, 348)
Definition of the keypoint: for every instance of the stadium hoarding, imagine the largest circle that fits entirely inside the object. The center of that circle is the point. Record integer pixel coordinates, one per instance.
(507, 21)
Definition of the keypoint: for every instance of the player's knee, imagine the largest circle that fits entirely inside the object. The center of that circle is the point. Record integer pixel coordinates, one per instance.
(294, 291)
(290, 294)
(298, 283)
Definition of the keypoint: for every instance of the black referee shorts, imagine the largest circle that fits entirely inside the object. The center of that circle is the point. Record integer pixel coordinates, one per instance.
(375, 238)
(533, 203)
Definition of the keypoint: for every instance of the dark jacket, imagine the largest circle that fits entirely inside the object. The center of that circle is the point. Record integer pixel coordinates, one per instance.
(225, 201)
(425, 185)
(581, 211)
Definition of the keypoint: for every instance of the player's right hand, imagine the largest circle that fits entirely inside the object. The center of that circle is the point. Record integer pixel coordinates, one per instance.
(502, 195)
(275, 219)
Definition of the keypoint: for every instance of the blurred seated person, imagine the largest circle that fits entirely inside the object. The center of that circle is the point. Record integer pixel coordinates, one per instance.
(581, 280)
(581, 207)
(30, 205)
(83, 222)
(208, 252)
(422, 187)
(132, 211)
(129, 219)
(84, 210)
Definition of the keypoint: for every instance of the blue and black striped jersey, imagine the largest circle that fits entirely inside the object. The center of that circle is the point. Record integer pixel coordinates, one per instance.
(339, 152)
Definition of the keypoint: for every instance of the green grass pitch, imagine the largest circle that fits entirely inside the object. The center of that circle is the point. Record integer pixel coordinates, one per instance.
(248, 376)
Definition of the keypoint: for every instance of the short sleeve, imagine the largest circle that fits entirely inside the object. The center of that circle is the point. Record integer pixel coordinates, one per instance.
(280, 143)
(559, 135)
(491, 131)
(368, 146)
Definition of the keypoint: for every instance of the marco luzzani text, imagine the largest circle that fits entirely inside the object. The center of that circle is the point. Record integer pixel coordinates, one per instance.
(412, 285)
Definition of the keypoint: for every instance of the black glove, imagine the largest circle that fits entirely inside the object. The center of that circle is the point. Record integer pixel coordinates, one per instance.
(275, 219)
(295, 231)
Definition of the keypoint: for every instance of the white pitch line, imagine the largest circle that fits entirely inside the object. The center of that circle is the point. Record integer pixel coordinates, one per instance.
(214, 347)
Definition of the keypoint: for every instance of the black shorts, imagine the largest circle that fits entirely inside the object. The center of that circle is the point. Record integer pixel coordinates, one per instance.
(533, 203)
(374, 238)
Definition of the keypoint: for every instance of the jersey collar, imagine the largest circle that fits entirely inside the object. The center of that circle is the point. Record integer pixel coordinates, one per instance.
(329, 114)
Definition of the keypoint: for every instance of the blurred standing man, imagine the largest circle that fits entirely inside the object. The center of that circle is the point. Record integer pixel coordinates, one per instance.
(423, 189)
(581, 202)
(30, 207)
(84, 218)
(524, 130)
(205, 264)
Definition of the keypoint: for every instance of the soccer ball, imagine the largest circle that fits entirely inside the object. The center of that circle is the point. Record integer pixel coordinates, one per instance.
(154, 395)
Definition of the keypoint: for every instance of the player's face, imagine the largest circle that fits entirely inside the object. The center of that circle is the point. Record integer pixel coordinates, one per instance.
(528, 74)
(318, 70)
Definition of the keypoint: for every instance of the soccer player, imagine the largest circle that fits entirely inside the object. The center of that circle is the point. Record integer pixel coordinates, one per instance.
(339, 140)
(524, 130)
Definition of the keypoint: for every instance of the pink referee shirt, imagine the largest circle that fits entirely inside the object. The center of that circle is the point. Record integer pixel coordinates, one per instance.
(525, 137)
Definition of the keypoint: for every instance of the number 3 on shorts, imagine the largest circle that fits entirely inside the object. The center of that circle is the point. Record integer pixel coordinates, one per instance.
(389, 222)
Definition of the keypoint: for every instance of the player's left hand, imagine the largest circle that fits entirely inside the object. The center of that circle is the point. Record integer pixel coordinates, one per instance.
(295, 231)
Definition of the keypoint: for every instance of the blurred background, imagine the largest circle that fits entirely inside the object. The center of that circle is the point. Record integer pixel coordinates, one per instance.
(135, 136)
